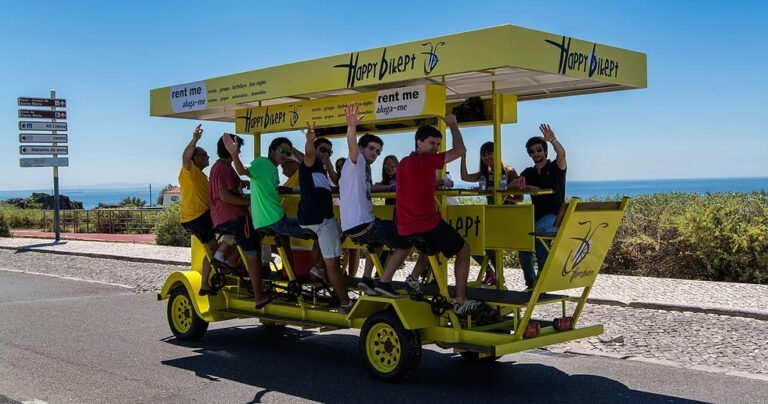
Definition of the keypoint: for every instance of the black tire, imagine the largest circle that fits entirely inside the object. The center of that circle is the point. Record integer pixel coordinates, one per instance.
(475, 357)
(389, 351)
(185, 324)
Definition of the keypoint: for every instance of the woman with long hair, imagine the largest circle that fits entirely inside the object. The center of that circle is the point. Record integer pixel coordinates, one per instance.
(388, 177)
(486, 171)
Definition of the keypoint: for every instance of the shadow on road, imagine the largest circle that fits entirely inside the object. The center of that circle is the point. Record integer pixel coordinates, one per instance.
(328, 368)
(30, 247)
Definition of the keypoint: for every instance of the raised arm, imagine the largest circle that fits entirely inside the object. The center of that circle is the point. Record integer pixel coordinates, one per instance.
(353, 119)
(465, 176)
(458, 148)
(309, 145)
(331, 170)
(549, 136)
(189, 151)
(232, 148)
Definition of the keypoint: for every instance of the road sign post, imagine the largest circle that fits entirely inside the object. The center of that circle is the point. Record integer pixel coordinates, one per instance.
(52, 126)
(56, 222)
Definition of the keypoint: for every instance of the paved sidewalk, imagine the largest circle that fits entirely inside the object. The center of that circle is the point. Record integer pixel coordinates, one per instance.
(119, 238)
(731, 299)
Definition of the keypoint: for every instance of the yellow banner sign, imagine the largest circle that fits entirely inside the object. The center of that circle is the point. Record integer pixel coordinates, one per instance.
(377, 106)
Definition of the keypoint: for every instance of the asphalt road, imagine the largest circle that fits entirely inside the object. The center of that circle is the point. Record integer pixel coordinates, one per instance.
(63, 340)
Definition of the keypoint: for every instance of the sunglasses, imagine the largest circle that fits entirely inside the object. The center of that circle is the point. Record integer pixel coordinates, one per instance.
(536, 150)
(285, 151)
(325, 150)
(390, 165)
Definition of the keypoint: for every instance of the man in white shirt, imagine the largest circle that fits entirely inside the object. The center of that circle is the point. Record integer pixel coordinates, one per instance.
(357, 219)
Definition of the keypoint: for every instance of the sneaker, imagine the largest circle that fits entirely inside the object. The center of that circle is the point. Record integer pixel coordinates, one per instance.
(385, 289)
(318, 274)
(346, 308)
(413, 286)
(366, 286)
(468, 307)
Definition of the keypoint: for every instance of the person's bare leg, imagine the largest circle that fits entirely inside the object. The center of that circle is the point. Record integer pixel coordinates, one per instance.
(368, 269)
(354, 261)
(397, 259)
(418, 268)
(337, 280)
(254, 272)
(461, 270)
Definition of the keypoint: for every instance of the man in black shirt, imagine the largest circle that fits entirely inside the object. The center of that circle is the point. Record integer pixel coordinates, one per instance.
(545, 174)
(316, 210)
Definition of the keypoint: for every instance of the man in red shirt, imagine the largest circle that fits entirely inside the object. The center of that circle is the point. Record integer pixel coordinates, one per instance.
(416, 213)
(229, 211)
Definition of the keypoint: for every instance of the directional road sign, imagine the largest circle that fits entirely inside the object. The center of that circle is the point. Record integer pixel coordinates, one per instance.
(33, 138)
(42, 102)
(38, 114)
(44, 162)
(35, 149)
(32, 125)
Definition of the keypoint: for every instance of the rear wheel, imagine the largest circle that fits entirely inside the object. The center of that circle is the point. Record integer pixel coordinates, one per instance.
(185, 324)
(389, 351)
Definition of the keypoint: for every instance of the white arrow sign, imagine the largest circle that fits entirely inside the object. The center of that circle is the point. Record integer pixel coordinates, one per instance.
(32, 138)
(44, 162)
(32, 125)
(43, 150)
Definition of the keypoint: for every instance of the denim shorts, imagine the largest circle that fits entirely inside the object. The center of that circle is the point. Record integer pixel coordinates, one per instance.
(289, 227)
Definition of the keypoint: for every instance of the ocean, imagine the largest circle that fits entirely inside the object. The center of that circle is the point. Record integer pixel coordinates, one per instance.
(91, 197)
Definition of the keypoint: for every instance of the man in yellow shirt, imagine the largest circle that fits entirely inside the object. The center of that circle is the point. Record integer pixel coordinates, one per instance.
(195, 215)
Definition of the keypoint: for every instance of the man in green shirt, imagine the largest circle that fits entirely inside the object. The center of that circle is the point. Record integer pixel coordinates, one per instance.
(266, 209)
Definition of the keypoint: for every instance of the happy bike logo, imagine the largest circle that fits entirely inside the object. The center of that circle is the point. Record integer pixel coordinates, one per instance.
(581, 253)
(432, 59)
(590, 63)
(294, 116)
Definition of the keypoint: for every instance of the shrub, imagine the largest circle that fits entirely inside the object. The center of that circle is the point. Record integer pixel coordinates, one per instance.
(168, 230)
(18, 218)
(5, 227)
(718, 237)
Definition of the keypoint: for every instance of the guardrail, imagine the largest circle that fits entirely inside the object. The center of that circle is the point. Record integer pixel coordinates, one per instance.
(110, 221)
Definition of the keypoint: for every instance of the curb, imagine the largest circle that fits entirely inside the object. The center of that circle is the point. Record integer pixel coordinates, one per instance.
(730, 312)
(102, 256)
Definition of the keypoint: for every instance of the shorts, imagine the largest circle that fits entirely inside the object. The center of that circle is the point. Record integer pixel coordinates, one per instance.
(378, 232)
(201, 227)
(289, 227)
(443, 238)
(328, 237)
(245, 234)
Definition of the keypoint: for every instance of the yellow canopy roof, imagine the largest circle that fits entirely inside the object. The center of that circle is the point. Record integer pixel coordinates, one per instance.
(527, 63)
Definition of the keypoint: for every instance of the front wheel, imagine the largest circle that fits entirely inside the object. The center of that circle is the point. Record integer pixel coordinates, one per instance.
(389, 351)
(185, 324)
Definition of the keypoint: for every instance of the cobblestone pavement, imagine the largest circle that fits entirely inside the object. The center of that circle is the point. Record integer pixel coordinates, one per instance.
(715, 343)
(700, 341)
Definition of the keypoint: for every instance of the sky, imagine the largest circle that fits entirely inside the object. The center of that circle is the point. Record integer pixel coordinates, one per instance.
(703, 115)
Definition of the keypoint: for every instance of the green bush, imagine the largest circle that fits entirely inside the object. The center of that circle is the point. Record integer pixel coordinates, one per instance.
(717, 237)
(18, 218)
(5, 227)
(168, 230)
